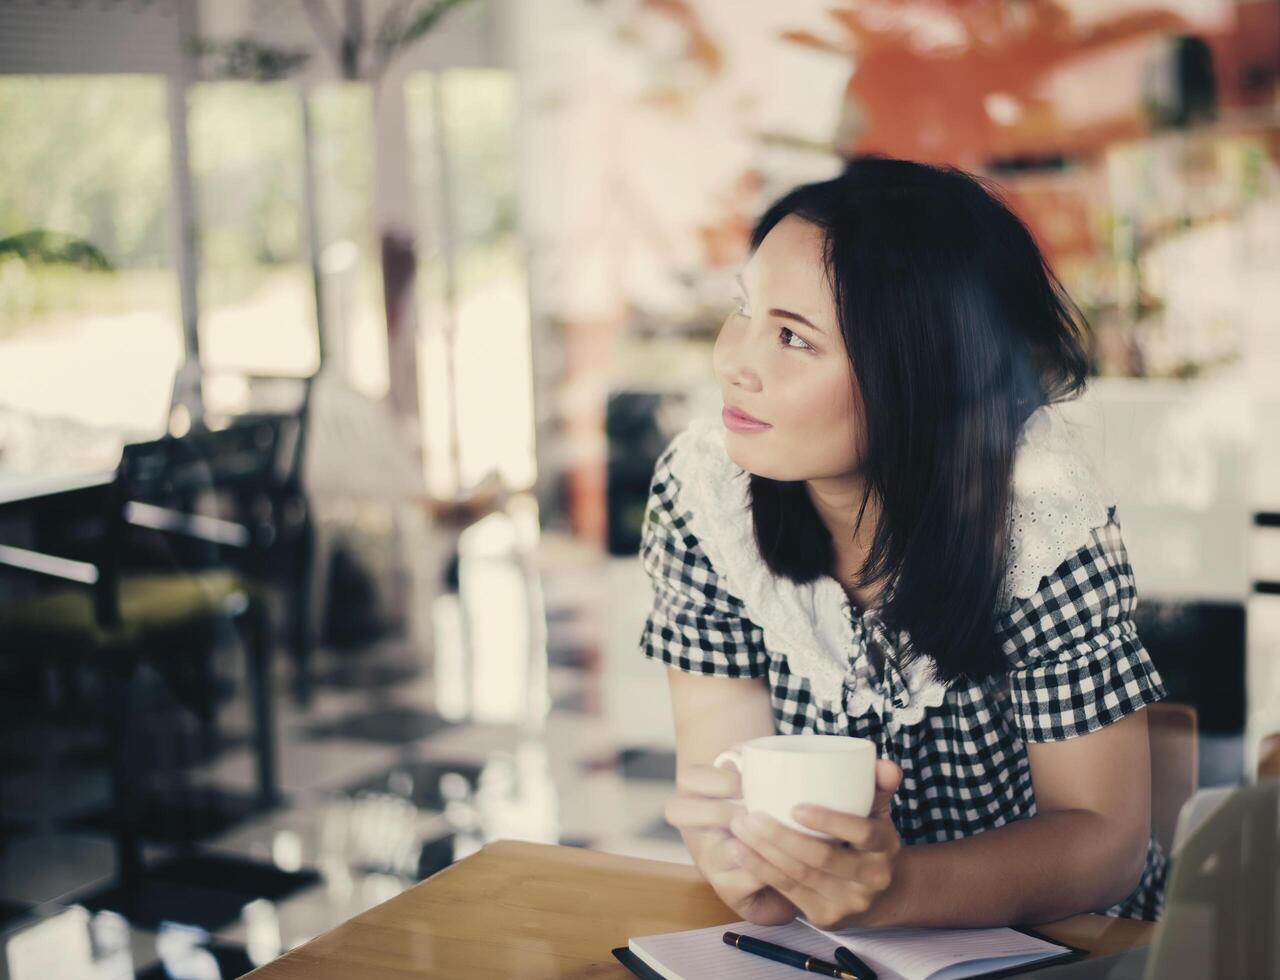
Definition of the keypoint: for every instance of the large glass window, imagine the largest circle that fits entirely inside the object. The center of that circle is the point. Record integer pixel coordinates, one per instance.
(475, 369)
(257, 299)
(90, 326)
(343, 147)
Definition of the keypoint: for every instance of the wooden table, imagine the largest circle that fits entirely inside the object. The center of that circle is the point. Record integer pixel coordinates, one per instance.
(515, 909)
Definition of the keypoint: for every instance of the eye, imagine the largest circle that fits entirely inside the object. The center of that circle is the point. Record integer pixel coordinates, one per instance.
(784, 333)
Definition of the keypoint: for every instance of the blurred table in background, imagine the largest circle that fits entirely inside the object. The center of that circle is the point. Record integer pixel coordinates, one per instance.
(19, 488)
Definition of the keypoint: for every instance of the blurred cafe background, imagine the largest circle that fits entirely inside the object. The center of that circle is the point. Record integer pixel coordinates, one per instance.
(338, 339)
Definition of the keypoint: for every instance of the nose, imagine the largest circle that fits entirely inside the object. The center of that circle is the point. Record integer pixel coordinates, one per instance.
(731, 358)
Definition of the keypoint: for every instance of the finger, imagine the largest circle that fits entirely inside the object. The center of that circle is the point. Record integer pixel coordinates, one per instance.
(800, 857)
(768, 907)
(888, 778)
(823, 909)
(691, 812)
(754, 900)
(709, 781)
(864, 833)
(791, 850)
(828, 869)
(804, 897)
(738, 881)
(718, 853)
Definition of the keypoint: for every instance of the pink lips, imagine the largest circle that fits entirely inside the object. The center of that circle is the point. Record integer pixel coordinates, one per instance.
(741, 422)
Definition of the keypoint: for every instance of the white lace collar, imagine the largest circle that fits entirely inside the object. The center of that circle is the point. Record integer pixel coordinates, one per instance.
(1056, 502)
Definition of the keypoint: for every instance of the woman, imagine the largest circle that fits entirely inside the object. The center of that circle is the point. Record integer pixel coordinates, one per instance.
(893, 533)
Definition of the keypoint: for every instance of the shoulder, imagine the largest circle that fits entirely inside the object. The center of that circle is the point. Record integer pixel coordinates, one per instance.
(680, 531)
(695, 483)
(1076, 661)
(1060, 509)
(1092, 585)
(665, 534)
(679, 474)
(697, 453)
(1069, 578)
(697, 623)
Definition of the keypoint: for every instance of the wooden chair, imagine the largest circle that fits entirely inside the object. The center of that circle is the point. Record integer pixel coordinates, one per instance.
(1269, 757)
(1175, 764)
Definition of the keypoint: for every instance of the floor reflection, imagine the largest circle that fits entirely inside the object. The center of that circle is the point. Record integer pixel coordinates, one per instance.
(404, 763)
(490, 635)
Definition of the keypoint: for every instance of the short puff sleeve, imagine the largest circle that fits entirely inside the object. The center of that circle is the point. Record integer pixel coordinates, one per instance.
(1076, 661)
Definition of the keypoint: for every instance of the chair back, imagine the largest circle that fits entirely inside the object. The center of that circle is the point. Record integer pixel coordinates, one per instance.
(237, 458)
(1175, 763)
(236, 401)
(244, 471)
(1269, 757)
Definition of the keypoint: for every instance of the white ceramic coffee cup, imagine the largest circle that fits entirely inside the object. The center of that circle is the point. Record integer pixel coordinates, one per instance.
(780, 772)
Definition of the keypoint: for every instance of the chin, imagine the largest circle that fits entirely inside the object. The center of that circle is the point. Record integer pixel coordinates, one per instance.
(747, 453)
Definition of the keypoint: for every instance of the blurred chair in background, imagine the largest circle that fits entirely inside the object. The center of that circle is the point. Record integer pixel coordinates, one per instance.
(280, 410)
(153, 566)
(1269, 757)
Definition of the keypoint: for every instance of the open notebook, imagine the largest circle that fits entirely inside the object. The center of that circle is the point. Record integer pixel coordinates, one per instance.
(895, 954)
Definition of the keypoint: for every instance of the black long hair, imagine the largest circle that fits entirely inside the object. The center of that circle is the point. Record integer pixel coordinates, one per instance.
(957, 330)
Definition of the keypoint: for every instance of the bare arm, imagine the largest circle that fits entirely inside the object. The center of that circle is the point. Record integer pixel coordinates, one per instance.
(1084, 848)
(712, 714)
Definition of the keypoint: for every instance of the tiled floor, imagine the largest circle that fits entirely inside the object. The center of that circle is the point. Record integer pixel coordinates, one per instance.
(380, 791)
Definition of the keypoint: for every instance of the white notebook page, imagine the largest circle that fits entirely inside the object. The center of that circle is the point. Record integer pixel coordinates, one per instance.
(916, 954)
(920, 954)
(699, 953)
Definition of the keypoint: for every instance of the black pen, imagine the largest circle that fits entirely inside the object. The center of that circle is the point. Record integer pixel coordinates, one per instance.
(791, 957)
(845, 957)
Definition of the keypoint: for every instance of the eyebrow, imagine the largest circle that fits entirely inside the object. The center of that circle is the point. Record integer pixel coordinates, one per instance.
(785, 314)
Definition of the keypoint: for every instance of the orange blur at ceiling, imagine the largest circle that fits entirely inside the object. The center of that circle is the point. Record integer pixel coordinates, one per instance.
(935, 101)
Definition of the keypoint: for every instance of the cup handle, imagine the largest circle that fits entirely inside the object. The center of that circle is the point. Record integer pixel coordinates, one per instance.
(731, 757)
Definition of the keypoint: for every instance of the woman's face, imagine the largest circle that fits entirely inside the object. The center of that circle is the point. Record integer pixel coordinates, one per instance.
(792, 375)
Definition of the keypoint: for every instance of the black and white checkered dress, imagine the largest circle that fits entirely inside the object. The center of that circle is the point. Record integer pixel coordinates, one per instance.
(1076, 664)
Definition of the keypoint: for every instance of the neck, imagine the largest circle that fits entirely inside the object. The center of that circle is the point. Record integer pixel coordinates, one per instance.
(836, 500)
